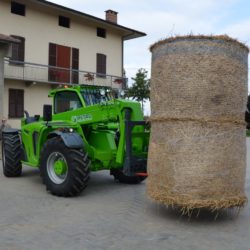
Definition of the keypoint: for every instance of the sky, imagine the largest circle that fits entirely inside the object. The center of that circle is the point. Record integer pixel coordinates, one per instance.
(163, 18)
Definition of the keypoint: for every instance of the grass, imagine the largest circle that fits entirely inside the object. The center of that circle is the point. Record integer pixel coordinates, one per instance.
(248, 132)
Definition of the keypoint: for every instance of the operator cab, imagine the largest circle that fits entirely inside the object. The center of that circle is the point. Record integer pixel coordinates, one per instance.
(76, 97)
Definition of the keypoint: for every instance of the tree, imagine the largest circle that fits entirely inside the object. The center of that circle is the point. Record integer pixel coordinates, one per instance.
(140, 89)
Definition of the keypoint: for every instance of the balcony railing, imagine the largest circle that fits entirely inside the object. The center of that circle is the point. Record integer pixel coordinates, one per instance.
(32, 72)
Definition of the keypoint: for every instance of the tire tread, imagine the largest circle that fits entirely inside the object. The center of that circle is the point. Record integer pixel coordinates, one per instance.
(78, 174)
(11, 145)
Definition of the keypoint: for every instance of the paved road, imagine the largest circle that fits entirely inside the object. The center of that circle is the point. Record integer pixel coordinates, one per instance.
(108, 215)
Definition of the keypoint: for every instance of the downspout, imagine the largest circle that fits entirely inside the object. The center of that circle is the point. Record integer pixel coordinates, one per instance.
(122, 41)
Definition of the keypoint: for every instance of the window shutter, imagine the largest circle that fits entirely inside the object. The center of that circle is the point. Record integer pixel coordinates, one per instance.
(52, 62)
(12, 97)
(101, 64)
(52, 54)
(21, 51)
(14, 52)
(75, 58)
(20, 103)
(18, 50)
(16, 103)
(75, 65)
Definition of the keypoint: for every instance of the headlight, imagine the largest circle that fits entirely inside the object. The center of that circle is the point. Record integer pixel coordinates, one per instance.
(102, 92)
(122, 93)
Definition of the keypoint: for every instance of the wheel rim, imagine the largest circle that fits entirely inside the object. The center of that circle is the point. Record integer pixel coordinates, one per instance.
(57, 168)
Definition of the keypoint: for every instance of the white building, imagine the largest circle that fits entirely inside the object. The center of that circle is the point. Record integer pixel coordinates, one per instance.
(57, 45)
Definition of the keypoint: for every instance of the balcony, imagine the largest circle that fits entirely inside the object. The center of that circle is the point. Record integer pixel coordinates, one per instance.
(32, 72)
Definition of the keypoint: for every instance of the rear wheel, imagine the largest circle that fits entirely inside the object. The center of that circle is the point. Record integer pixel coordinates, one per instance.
(121, 177)
(64, 171)
(11, 155)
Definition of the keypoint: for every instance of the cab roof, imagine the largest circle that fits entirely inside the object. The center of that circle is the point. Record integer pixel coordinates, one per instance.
(75, 88)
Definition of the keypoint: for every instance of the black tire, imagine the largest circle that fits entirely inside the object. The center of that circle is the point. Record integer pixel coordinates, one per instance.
(121, 177)
(11, 155)
(77, 175)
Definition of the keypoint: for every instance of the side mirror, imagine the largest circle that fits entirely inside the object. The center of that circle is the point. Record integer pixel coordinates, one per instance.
(47, 113)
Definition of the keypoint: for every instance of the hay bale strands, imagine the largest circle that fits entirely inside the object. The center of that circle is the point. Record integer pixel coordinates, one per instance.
(197, 153)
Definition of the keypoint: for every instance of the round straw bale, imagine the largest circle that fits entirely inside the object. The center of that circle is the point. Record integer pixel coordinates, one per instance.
(197, 152)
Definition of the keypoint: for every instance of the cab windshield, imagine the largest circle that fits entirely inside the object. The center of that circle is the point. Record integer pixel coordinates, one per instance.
(96, 96)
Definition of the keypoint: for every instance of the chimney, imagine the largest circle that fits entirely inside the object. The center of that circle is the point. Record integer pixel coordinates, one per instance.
(111, 16)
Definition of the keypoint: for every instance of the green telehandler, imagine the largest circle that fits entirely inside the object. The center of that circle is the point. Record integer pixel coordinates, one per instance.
(89, 128)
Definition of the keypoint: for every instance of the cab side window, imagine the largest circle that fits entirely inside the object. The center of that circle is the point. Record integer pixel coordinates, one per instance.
(66, 101)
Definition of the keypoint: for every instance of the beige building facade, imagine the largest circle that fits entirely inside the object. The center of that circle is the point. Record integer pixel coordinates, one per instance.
(57, 46)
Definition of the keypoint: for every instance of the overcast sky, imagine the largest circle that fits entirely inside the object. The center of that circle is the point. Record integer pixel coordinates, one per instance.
(164, 18)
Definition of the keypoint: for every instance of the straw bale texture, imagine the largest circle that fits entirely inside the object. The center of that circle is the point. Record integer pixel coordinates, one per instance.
(197, 153)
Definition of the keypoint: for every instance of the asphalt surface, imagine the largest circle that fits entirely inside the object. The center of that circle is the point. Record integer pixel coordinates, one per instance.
(109, 215)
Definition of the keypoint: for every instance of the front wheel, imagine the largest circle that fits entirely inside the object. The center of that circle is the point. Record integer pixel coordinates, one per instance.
(121, 177)
(64, 171)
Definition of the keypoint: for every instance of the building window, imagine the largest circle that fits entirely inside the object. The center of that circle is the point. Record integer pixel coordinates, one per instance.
(18, 51)
(64, 21)
(16, 103)
(101, 65)
(101, 32)
(18, 8)
(65, 64)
